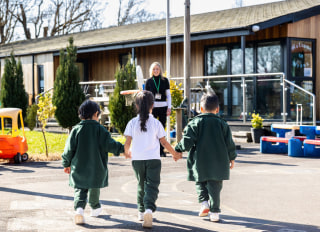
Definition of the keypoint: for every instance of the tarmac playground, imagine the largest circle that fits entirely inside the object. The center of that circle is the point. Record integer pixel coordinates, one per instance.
(266, 192)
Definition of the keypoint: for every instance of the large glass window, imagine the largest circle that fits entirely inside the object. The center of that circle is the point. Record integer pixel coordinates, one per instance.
(262, 93)
(236, 63)
(217, 61)
(301, 64)
(268, 89)
(40, 78)
(269, 57)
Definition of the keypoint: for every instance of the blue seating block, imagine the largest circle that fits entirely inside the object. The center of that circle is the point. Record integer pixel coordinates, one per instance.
(295, 148)
(268, 147)
(280, 132)
(311, 150)
(309, 131)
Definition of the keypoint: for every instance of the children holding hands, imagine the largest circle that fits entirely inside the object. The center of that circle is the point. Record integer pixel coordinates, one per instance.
(207, 137)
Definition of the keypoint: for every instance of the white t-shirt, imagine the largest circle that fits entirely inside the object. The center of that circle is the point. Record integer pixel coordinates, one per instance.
(145, 144)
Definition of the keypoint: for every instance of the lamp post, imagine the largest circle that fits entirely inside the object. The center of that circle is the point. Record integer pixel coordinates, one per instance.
(168, 54)
(187, 54)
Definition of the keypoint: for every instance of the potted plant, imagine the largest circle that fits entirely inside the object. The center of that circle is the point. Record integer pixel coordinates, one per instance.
(176, 97)
(257, 127)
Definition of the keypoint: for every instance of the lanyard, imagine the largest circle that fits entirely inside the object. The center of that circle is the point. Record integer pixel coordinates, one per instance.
(157, 87)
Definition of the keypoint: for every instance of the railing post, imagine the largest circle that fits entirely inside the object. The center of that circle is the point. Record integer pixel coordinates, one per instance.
(314, 110)
(243, 64)
(284, 99)
(244, 106)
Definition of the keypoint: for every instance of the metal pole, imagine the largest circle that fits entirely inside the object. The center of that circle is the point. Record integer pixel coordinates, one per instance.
(314, 114)
(244, 104)
(187, 55)
(168, 54)
(284, 100)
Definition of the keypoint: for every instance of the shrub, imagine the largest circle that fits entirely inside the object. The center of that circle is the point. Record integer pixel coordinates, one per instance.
(67, 95)
(44, 112)
(13, 93)
(31, 118)
(176, 99)
(120, 114)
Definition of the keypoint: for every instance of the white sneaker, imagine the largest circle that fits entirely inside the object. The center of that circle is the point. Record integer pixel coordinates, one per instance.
(79, 217)
(204, 210)
(96, 212)
(214, 217)
(147, 219)
(140, 216)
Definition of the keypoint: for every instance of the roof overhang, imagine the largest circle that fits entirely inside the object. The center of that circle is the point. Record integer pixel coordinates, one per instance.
(162, 40)
(290, 18)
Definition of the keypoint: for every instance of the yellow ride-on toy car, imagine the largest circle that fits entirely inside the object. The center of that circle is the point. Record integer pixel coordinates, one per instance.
(12, 144)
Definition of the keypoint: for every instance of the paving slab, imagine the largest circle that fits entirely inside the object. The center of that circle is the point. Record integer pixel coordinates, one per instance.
(266, 192)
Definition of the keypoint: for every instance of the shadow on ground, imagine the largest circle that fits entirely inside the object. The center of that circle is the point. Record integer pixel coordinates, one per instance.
(247, 222)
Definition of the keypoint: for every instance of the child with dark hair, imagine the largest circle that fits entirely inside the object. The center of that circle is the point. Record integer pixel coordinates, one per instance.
(211, 154)
(144, 131)
(85, 159)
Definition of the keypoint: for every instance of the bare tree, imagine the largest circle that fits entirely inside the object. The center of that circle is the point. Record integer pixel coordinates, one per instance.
(132, 12)
(7, 21)
(70, 15)
(58, 17)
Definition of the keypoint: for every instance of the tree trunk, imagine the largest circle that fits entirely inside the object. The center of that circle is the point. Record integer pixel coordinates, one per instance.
(45, 142)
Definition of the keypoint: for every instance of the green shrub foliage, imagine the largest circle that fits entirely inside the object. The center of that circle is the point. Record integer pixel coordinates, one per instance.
(31, 118)
(121, 114)
(13, 93)
(67, 95)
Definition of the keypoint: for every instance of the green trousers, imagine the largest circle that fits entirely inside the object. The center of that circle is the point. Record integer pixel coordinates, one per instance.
(81, 195)
(210, 191)
(148, 176)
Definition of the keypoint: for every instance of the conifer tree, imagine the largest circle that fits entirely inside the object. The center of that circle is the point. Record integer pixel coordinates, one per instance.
(121, 114)
(67, 95)
(13, 93)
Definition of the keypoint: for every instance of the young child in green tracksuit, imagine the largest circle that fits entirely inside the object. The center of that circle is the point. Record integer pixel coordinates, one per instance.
(145, 131)
(85, 159)
(212, 152)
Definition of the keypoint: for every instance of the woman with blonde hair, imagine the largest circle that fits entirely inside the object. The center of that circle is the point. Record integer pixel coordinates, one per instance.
(160, 88)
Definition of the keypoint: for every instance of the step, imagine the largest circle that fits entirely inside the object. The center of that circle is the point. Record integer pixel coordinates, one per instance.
(242, 136)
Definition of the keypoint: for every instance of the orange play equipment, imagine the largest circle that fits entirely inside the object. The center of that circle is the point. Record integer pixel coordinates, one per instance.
(12, 145)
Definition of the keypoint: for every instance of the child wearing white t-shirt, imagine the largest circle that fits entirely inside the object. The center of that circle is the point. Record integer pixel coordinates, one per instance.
(145, 132)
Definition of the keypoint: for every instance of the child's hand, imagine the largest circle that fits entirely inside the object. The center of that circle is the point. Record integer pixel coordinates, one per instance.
(127, 155)
(67, 170)
(177, 155)
(231, 164)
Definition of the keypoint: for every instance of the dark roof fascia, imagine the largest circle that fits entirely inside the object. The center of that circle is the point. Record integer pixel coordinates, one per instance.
(289, 18)
(162, 40)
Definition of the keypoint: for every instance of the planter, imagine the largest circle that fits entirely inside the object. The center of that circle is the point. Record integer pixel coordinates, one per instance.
(256, 134)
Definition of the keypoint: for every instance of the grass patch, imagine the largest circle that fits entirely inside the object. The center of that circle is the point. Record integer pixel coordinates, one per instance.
(55, 142)
(36, 146)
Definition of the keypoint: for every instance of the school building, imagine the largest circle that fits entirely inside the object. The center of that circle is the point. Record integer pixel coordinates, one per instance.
(279, 37)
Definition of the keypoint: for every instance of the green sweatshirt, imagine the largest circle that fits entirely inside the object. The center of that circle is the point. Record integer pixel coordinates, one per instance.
(209, 142)
(86, 152)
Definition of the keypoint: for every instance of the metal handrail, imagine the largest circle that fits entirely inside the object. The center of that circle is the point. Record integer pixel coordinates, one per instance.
(284, 81)
(243, 84)
(44, 92)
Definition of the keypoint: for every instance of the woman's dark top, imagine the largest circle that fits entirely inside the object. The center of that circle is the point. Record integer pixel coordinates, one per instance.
(164, 85)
